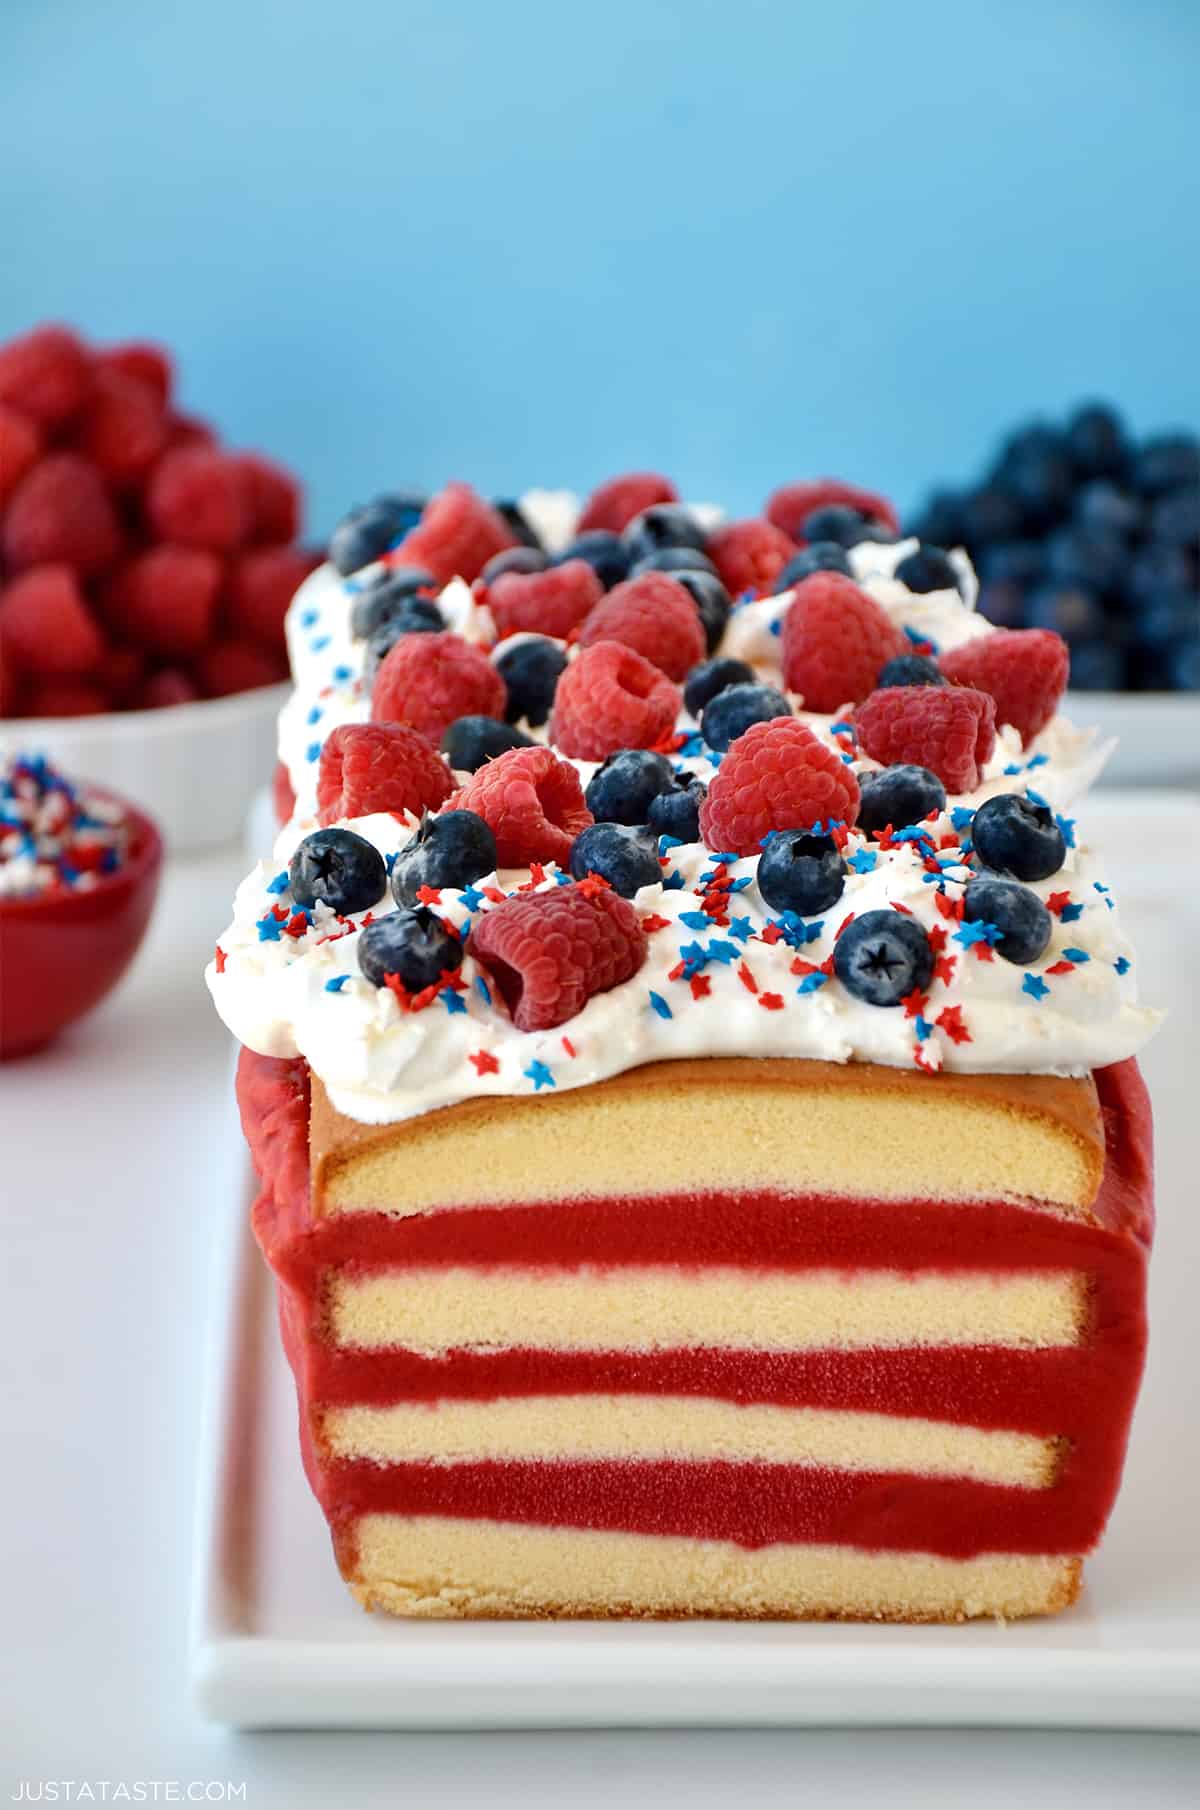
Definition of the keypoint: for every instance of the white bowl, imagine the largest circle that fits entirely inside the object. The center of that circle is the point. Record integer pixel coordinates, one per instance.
(194, 768)
(1158, 734)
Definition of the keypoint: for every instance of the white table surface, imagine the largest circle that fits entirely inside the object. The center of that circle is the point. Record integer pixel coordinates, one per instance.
(106, 1143)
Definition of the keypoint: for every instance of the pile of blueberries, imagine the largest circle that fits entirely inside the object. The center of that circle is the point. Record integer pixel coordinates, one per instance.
(1086, 531)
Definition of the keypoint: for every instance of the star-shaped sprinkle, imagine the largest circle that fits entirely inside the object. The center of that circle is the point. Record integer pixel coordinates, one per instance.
(484, 1062)
(540, 1075)
(1035, 986)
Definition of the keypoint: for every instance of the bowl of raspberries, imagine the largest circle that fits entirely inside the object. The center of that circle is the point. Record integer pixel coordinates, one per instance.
(145, 571)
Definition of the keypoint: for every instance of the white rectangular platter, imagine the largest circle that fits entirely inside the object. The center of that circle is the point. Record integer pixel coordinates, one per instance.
(278, 1642)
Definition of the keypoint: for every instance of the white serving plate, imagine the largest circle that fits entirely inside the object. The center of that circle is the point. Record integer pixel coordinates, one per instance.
(278, 1642)
(193, 767)
(1158, 734)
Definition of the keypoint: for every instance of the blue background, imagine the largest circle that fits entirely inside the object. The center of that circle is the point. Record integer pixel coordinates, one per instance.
(738, 240)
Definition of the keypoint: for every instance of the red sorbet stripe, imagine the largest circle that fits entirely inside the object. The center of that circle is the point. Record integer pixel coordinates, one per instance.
(752, 1504)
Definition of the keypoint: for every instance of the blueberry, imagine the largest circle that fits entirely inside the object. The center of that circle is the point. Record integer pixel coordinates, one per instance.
(1020, 562)
(1016, 912)
(1018, 838)
(1175, 520)
(604, 552)
(451, 849)
(662, 525)
(899, 796)
(733, 710)
(1097, 666)
(1170, 462)
(626, 857)
(531, 670)
(988, 515)
(881, 957)
(928, 569)
(414, 945)
(711, 676)
(514, 559)
(1002, 602)
(674, 560)
(620, 791)
(1097, 560)
(1096, 443)
(1160, 570)
(1070, 610)
(388, 597)
(821, 556)
(677, 813)
(1042, 482)
(344, 871)
(412, 616)
(941, 520)
(1102, 507)
(910, 669)
(844, 526)
(517, 521)
(799, 871)
(712, 601)
(367, 533)
(470, 741)
(1183, 665)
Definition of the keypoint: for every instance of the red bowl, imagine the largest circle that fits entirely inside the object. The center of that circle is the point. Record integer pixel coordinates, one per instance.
(60, 954)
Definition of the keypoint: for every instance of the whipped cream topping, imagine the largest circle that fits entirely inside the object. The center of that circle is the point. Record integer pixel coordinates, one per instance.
(725, 975)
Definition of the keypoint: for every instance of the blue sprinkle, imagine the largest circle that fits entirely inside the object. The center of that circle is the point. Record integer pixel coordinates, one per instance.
(279, 883)
(308, 618)
(319, 645)
(863, 860)
(667, 843)
(741, 928)
(269, 929)
(472, 898)
(740, 885)
(314, 715)
(1067, 826)
(722, 952)
(776, 627)
(660, 1005)
(811, 982)
(313, 751)
(1069, 913)
(337, 983)
(961, 818)
(540, 1075)
(847, 760)
(1076, 955)
(1035, 986)
(970, 933)
(841, 728)
(484, 989)
(389, 861)
(451, 1000)
(695, 920)
(917, 637)
(724, 860)
(923, 1028)
(342, 674)
(1011, 771)
(1038, 760)
(672, 882)
(1122, 964)
(109, 861)
(693, 747)
(1036, 798)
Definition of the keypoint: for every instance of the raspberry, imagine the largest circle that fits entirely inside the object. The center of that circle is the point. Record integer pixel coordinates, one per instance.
(792, 503)
(548, 953)
(122, 429)
(165, 600)
(150, 364)
(430, 680)
(166, 688)
(656, 617)
(60, 514)
(835, 640)
(273, 498)
(66, 697)
(369, 767)
(261, 585)
(10, 683)
(531, 801)
(196, 497)
(47, 626)
(283, 793)
(189, 430)
(1023, 669)
(45, 374)
(20, 445)
(948, 728)
(614, 505)
(229, 666)
(749, 555)
(455, 537)
(553, 602)
(121, 672)
(611, 698)
(777, 776)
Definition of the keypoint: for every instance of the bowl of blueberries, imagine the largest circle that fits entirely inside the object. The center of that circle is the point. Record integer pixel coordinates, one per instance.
(1083, 528)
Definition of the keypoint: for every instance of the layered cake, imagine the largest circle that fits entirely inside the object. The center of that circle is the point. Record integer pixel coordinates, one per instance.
(689, 1057)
